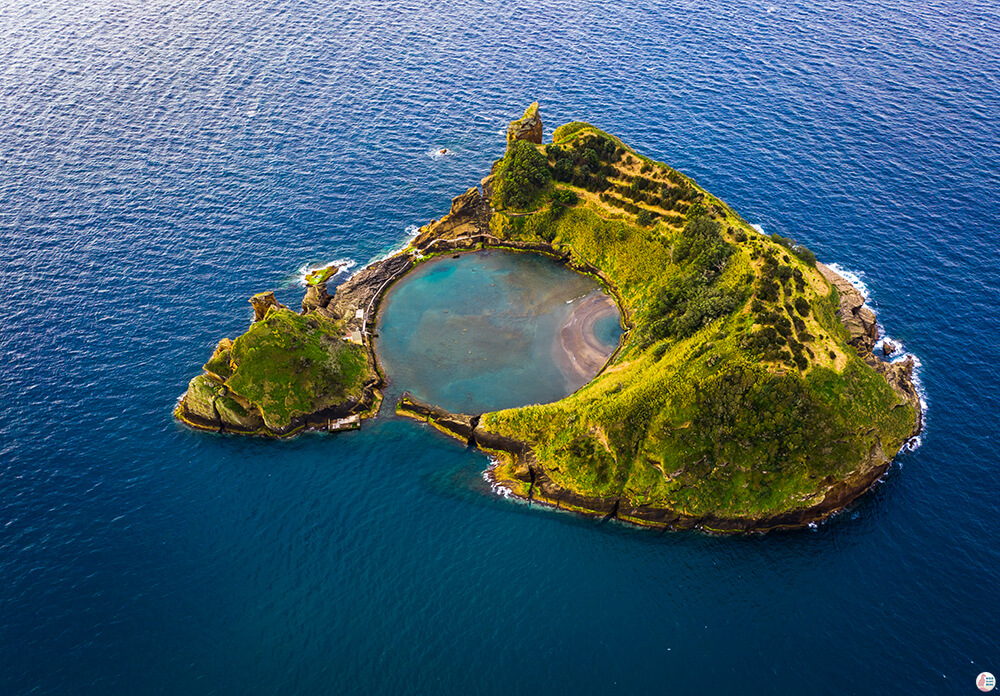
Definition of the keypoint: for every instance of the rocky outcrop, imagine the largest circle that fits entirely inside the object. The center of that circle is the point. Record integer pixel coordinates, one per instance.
(857, 318)
(899, 375)
(455, 424)
(278, 351)
(862, 325)
(539, 487)
(528, 127)
(316, 296)
(469, 216)
(262, 302)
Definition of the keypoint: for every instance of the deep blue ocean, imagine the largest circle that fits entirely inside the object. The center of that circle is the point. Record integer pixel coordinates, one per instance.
(161, 161)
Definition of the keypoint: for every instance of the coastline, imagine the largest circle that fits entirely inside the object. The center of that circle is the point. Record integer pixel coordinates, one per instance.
(562, 454)
(366, 288)
(530, 483)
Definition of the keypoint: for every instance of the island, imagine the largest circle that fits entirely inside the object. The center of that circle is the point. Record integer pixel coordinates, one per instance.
(747, 393)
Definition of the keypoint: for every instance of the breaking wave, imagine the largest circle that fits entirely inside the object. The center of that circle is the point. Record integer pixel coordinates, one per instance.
(498, 488)
(341, 264)
(411, 232)
(437, 153)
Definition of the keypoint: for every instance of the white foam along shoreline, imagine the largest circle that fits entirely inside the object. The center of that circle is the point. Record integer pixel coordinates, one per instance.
(857, 279)
(342, 265)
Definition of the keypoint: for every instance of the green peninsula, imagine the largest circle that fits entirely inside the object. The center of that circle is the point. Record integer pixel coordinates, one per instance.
(745, 394)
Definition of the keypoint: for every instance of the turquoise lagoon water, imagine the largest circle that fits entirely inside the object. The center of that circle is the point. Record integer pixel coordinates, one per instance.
(162, 161)
(480, 333)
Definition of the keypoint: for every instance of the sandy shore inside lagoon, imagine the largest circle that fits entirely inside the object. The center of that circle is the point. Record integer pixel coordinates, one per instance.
(578, 352)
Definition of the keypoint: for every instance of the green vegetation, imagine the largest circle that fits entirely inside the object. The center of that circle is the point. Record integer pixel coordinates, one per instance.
(320, 275)
(736, 393)
(795, 248)
(522, 175)
(289, 365)
(218, 366)
(286, 365)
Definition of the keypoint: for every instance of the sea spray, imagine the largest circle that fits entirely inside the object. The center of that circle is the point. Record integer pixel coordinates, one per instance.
(498, 488)
(410, 232)
(855, 278)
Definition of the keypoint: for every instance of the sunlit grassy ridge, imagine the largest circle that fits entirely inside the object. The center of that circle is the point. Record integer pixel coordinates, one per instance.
(736, 392)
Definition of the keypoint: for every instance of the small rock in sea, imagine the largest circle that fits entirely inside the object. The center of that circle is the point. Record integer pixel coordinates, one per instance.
(888, 347)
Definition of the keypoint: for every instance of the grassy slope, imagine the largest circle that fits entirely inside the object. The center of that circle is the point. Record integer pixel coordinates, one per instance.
(289, 365)
(702, 423)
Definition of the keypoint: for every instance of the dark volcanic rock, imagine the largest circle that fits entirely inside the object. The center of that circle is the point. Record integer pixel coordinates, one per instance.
(354, 301)
(466, 224)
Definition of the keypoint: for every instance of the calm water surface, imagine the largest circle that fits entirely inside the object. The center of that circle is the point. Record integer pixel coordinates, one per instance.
(162, 161)
(481, 332)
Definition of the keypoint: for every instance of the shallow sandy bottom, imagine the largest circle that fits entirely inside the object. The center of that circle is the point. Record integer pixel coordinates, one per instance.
(579, 353)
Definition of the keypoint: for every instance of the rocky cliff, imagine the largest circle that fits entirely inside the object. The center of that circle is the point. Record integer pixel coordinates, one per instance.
(287, 372)
(744, 398)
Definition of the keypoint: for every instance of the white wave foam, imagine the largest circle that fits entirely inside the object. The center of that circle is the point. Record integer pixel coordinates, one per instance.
(759, 228)
(497, 488)
(341, 264)
(918, 383)
(857, 279)
(411, 232)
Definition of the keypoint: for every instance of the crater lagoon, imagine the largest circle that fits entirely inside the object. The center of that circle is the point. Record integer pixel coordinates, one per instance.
(163, 162)
(490, 330)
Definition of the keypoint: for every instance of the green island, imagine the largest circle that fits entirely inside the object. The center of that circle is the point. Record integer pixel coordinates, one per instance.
(744, 396)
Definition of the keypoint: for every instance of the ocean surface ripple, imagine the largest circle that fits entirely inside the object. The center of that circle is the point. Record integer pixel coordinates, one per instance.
(161, 161)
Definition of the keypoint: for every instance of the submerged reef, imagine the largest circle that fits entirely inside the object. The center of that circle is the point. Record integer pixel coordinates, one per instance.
(745, 395)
